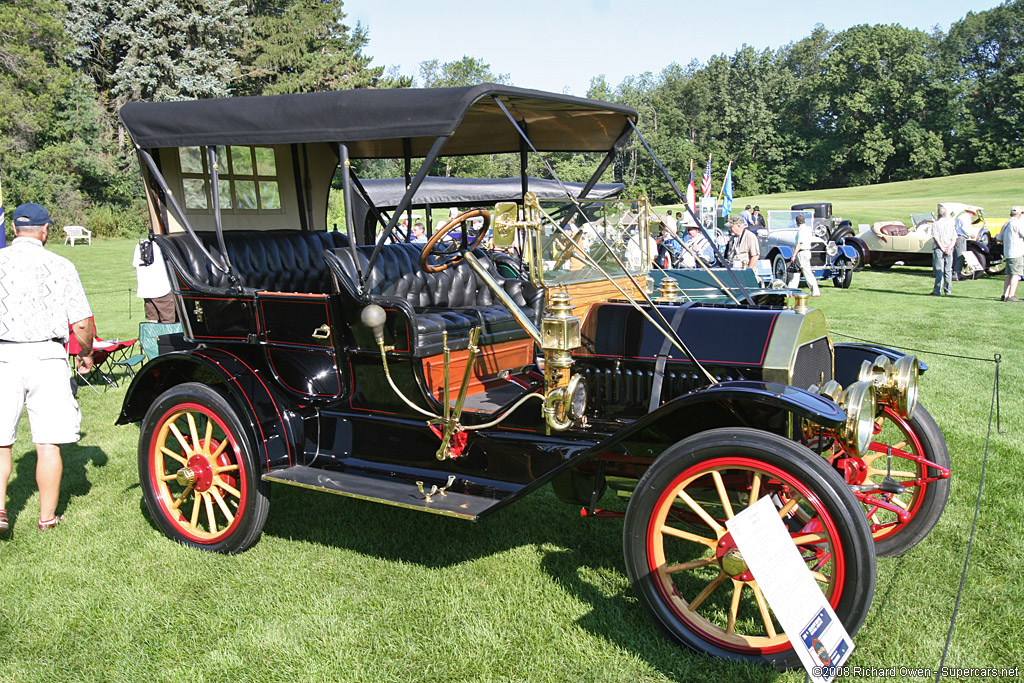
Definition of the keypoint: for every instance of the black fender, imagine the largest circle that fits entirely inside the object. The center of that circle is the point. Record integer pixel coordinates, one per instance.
(275, 430)
(852, 240)
(849, 357)
(740, 403)
(979, 246)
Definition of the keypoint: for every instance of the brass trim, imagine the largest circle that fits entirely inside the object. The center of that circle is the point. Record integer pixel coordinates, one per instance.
(322, 332)
(793, 330)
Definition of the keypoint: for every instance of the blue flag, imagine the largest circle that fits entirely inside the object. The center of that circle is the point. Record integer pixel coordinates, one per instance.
(727, 191)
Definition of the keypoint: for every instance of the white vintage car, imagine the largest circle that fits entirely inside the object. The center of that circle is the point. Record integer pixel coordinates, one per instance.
(828, 259)
(890, 242)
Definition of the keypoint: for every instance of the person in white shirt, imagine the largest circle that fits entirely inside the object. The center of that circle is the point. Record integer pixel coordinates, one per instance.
(41, 301)
(154, 287)
(963, 227)
(1012, 237)
(804, 237)
(944, 236)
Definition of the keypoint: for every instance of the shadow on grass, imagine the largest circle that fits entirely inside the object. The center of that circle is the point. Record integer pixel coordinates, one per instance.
(74, 481)
(573, 550)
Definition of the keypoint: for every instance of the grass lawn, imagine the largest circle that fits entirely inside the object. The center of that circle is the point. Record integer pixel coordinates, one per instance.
(345, 590)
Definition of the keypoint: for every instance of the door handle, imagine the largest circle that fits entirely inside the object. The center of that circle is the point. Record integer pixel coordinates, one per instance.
(322, 332)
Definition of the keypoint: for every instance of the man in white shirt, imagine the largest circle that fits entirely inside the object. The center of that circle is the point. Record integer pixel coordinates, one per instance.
(802, 256)
(944, 237)
(154, 287)
(963, 227)
(40, 295)
(1012, 237)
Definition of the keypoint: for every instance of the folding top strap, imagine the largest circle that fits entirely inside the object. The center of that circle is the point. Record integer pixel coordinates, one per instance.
(659, 366)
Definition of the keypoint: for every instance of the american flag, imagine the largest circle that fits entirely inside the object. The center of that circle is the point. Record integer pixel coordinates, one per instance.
(705, 183)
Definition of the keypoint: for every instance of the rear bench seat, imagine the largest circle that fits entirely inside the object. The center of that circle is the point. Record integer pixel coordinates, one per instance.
(453, 301)
(262, 260)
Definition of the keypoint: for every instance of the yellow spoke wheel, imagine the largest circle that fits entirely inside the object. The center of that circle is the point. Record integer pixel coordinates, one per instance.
(688, 572)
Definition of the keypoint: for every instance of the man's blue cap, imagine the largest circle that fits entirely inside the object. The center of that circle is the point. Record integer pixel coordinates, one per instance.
(31, 214)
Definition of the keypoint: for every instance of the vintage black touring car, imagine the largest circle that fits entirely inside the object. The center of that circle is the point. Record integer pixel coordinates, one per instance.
(422, 377)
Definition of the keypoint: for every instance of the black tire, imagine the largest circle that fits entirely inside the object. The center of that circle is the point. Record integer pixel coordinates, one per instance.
(842, 231)
(845, 278)
(779, 268)
(926, 491)
(743, 458)
(882, 264)
(229, 513)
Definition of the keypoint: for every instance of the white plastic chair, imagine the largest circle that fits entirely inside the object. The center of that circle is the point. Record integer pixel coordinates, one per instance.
(76, 232)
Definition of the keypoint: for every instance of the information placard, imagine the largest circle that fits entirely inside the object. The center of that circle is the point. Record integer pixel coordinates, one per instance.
(803, 611)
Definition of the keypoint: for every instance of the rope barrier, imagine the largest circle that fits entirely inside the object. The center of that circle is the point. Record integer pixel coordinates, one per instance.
(974, 523)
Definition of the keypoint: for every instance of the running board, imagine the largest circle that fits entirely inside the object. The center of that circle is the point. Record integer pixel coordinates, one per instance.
(391, 491)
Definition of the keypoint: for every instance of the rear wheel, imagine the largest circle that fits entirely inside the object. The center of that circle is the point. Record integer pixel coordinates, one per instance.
(199, 478)
(686, 569)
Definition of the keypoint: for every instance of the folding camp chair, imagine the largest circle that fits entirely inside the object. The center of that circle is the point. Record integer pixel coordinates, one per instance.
(106, 354)
(148, 333)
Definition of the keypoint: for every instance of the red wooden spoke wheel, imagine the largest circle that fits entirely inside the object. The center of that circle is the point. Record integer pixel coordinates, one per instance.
(687, 571)
(199, 480)
(911, 456)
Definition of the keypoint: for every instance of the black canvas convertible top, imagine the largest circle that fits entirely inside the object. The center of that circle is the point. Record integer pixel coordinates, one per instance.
(386, 193)
(374, 122)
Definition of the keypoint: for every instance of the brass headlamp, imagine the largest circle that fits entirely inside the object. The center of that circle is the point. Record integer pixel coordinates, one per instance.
(858, 401)
(896, 382)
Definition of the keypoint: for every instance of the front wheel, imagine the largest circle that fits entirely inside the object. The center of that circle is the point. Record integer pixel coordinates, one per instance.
(845, 277)
(686, 569)
(912, 453)
(199, 478)
(779, 267)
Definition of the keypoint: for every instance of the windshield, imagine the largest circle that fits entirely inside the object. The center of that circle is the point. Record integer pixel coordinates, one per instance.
(592, 245)
(918, 218)
(786, 220)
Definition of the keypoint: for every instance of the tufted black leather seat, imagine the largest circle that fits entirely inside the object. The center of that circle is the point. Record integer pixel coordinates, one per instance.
(453, 301)
(263, 260)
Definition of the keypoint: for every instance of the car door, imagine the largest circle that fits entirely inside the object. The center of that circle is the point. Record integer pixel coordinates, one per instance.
(297, 334)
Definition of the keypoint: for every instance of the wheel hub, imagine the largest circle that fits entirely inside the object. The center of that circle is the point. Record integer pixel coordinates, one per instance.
(186, 477)
(730, 559)
(853, 469)
(202, 472)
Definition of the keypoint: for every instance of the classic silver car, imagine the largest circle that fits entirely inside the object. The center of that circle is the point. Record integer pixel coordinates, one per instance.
(828, 259)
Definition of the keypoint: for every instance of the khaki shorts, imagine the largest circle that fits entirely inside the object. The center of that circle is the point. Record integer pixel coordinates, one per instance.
(36, 375)
(1015, 266)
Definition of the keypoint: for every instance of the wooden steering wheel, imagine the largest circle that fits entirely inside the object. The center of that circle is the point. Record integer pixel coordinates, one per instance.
(446, 250)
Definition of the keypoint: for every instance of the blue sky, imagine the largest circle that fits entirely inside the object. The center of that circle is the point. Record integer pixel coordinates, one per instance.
(558, 45)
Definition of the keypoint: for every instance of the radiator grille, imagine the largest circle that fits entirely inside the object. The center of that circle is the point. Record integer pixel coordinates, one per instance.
(812, 359)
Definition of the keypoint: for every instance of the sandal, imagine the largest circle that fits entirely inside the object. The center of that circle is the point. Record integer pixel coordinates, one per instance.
(49, 524)
(4, 526)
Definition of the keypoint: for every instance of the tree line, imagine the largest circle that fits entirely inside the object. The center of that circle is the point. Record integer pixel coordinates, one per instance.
(865, 105)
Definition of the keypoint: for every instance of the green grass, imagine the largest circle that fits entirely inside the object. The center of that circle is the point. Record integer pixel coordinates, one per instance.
(994, 191)
(345, 590)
